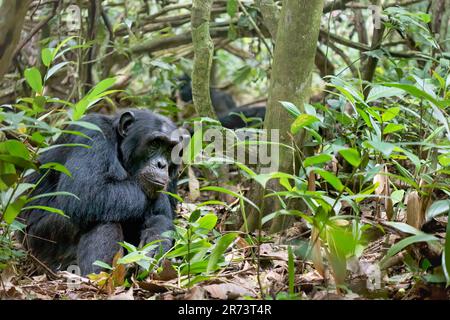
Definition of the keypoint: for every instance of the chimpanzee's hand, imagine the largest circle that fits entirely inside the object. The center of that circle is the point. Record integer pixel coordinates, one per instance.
(149, 235)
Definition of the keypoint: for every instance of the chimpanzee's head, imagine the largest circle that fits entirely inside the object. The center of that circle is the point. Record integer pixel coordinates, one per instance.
(146, 141)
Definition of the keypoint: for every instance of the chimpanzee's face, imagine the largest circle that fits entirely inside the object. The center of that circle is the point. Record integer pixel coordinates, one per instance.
(148, 141)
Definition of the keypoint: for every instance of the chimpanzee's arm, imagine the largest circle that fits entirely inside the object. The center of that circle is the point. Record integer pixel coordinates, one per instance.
(106, 192)
(157, 221)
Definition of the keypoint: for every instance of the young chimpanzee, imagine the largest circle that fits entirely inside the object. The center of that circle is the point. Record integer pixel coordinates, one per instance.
(116, 183)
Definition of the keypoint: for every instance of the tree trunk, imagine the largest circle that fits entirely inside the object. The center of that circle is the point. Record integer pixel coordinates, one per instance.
(203, 54)
(440, 10)
(295, 50)
(12, 16)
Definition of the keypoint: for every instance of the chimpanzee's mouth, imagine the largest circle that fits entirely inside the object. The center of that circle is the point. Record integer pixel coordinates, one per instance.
(158, 183)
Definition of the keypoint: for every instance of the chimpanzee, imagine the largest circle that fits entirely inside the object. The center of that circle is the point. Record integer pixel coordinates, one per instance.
(117, 180)
(221, 101)
(235, 118)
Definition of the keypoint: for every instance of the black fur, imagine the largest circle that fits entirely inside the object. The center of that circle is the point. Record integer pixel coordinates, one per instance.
(234, 119)
(221, 101)
(113, 204)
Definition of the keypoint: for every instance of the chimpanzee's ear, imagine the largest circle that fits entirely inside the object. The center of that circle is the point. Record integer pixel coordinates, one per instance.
(126, 119)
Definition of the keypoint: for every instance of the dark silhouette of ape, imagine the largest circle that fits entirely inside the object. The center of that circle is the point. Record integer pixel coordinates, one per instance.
(237, 116)
(221, 101)
(117, 181)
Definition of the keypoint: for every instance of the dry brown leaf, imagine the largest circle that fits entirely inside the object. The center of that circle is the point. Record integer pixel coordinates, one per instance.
(127, 295)
(415, 215)
(226, 291)
(119, 272)
(168, 272)
(195, 293)
(316, 251)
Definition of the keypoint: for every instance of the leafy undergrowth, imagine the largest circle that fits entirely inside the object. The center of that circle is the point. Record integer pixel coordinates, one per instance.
(399, 279)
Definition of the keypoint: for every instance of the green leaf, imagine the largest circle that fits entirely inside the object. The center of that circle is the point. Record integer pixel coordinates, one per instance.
(173, 195)
(219, 249)
(351, 156)
(403, 227)
(14, 209)
(302, 121)
(15, 148)
(390, 114)
(47, 56)
(85, 124)
(55, 69)
(399, 246)
(291, 108)
(207, 222)
(132, 257)
(45, 208)
(331, 179)
(380, 92)
(53, 194)
(57, 167)
(102, 264)
(416, 92)
(383, 147)
(393, 127)
(314, 160)
(34, 79)
(232, 7)
(437, 208)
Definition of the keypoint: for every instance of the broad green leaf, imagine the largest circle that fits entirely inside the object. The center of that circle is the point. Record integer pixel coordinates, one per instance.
(437, 208)
(352, 156)
(393, 127)
(380, 92)
(314, 160)
(47, 56)
(34, 79)
(331, 179)
(13, 209)
(384, 147)
(390, 114)
(399, 246)
(133, 257)
(232, 7)
(219, 249)
(207, 222)
(291, 108)
(302, 121)
(403, 227)
(15, 148)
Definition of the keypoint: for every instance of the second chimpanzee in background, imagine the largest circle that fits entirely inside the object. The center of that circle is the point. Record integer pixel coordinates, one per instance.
(229, 115)
(117, 181)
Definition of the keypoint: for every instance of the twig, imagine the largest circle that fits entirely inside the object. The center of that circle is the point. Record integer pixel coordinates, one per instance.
(36, 29)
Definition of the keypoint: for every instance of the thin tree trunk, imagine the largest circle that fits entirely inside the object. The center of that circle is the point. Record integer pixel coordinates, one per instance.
(203, 54)
(12, 16)
(295, 50)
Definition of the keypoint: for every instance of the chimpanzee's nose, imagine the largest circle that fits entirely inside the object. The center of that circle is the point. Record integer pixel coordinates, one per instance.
(161, 164)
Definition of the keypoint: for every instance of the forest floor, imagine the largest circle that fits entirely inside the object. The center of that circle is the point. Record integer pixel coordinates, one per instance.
(399, 278)
(239, 280)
